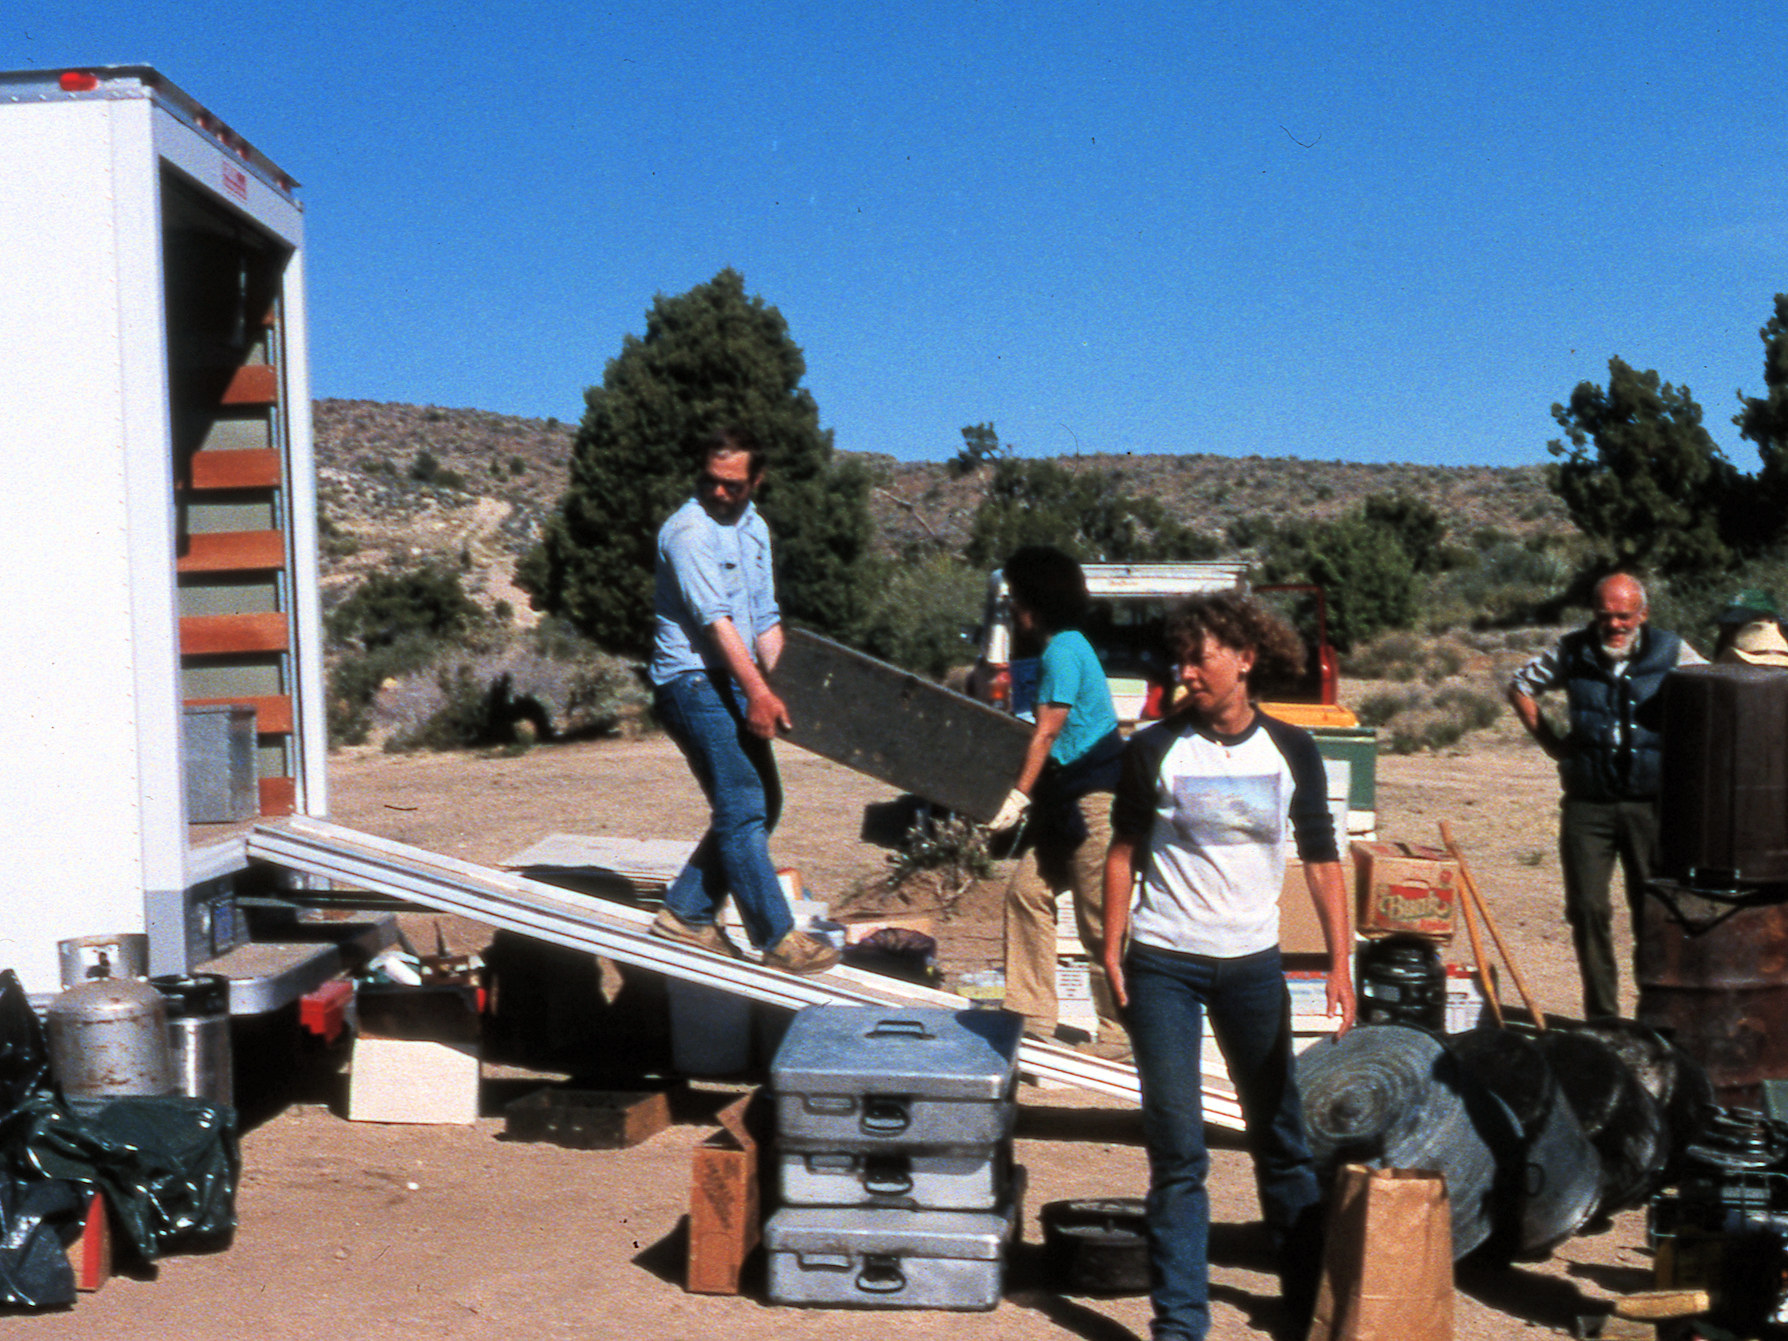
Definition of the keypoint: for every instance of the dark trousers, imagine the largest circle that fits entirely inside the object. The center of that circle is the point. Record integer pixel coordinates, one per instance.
(1592, 835)
(1250, 1015)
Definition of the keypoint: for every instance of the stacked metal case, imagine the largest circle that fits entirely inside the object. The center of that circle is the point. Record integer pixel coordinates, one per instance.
(893, 1151)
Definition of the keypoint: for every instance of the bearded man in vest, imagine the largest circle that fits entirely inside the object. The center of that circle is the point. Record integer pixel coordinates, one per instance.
(1609, 761)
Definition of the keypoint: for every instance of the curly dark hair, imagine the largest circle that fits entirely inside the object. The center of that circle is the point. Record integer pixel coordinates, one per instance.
(1050, 584)
(1240, 622)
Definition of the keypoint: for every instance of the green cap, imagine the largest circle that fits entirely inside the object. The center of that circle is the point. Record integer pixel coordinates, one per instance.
(1746, 606)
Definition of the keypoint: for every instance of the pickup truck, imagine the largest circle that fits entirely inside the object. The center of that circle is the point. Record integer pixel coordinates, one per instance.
(1125, 625)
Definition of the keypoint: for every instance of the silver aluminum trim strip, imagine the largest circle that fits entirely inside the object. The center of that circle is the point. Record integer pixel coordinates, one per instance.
(556, 915)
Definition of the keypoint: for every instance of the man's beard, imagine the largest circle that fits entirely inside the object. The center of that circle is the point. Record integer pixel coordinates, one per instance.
(1620, 653)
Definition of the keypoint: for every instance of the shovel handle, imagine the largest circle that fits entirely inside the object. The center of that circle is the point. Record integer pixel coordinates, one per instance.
(1477, 899)
(1477, 958)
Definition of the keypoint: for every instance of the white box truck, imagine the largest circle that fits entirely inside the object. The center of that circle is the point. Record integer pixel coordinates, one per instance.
(158, 571)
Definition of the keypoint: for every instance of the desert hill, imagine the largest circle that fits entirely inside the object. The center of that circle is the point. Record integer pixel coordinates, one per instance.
(402, 483)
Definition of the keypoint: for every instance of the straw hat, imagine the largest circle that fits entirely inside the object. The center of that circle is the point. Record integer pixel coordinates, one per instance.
(1760, 643)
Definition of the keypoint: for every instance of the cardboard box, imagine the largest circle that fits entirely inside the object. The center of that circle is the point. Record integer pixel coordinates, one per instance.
(1404, 888)
(725, 1201)
(412, 1080)
(1300, 933)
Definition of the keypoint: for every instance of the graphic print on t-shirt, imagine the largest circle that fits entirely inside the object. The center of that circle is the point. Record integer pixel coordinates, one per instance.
(1229, 812)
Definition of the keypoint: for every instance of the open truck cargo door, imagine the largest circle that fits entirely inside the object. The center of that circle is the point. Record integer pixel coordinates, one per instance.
(161, 570)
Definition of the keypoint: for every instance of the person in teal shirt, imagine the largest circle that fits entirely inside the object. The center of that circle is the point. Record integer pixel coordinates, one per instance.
(1065, 787)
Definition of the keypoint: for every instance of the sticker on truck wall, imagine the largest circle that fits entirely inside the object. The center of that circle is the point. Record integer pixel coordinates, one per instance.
(235, 181)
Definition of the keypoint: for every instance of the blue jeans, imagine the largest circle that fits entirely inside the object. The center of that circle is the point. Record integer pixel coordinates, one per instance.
(1250, 1011)
(703, 713)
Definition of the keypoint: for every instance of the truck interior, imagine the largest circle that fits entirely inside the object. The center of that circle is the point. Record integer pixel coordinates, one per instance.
(230, 468)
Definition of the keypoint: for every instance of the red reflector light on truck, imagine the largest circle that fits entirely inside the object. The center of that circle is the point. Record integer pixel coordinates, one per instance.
(77, 81)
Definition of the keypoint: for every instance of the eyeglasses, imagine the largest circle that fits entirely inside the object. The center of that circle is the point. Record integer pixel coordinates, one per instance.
(731, 488)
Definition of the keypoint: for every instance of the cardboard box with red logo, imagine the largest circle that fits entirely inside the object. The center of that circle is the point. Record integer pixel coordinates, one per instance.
(1401, 887)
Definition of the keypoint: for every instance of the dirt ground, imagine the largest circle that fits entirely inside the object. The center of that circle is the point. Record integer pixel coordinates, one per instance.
(365, 1230)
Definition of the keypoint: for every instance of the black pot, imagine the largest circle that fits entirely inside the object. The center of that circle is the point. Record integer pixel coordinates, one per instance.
(1096, 1245)
(1677, 1082)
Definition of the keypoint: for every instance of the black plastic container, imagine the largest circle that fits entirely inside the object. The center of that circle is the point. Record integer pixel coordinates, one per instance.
(1621, 1119)
(1551, 1187)
(1402, 981)
(1096, 1245)
(1723, 794)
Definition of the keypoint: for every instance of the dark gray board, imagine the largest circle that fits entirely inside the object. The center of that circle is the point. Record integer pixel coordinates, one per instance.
(897, 727)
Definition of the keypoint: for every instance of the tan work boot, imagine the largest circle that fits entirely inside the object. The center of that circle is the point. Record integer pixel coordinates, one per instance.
(669, 927)
(800, 953)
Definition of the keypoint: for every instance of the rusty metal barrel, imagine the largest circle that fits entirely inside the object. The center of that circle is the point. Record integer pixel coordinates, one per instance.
(1713, 977)
(1712, 958)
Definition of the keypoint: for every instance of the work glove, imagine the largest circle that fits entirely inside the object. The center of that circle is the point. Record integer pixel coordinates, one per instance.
(1011, 811)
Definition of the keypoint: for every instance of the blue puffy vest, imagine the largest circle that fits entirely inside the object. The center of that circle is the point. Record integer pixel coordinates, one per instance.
(1615, 748)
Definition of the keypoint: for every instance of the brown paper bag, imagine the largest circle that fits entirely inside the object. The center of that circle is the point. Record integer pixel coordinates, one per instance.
(1387, 1262)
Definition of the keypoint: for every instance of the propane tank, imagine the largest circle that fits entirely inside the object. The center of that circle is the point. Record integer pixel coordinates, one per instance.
(108, 1038)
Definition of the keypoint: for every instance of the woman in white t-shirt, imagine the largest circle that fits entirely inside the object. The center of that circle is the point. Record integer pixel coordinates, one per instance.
(1208, 803)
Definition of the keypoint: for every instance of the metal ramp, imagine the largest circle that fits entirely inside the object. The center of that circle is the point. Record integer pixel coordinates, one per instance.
(582, 922)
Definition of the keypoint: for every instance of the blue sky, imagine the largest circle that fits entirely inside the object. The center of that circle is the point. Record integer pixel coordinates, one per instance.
(1369, 231)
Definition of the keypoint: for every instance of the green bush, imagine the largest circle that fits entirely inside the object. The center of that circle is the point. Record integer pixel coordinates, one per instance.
(356, 678)
(388, 608)
(531, 687)
(919, 611)
(472, 712)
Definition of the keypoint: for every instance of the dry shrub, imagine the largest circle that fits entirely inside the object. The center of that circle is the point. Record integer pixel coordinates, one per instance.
(1433, 723)
(950, 849)
(509, 696)
(1391, 656)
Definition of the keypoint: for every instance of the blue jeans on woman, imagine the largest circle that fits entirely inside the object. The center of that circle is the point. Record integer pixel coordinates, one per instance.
(1250, 1012)
(703, 713)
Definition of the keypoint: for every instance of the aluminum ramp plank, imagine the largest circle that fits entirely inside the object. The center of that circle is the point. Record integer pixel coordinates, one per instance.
(581, 922)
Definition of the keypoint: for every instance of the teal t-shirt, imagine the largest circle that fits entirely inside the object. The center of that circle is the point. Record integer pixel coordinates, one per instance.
(1072, 677)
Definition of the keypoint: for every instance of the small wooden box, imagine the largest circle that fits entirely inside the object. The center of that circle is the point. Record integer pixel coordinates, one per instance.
(588, 1119)
(726, 1220)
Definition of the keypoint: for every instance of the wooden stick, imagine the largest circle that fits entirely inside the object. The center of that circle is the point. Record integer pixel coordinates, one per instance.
(1471, 890)
(1477, 955)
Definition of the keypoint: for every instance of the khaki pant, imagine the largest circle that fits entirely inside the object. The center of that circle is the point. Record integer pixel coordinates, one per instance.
(1045, 869)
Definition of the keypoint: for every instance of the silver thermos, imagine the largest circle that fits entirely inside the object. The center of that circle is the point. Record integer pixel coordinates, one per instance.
(198, 1007)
